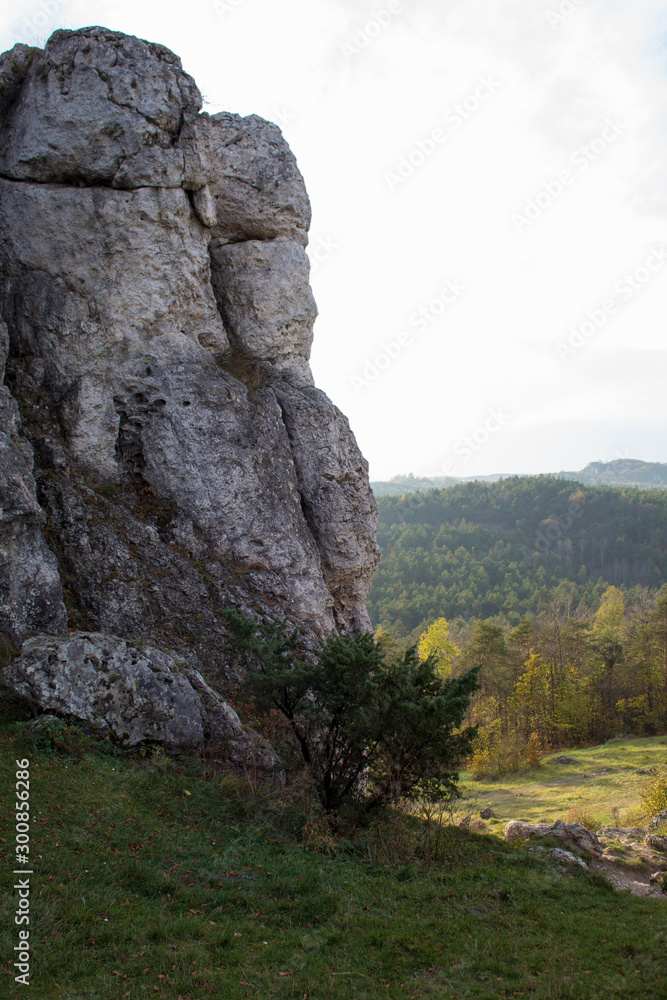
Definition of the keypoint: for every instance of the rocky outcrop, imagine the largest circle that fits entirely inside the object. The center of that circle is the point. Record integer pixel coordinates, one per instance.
(154, 283)
(658, 821)
(30, 593)
(619, 854)
(132, 695)
(573, 834)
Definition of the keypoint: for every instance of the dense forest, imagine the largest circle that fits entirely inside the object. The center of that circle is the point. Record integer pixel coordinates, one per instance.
(509, 549)
(555, 589)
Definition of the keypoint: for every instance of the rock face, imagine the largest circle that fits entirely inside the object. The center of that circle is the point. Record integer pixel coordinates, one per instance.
(131, 695)
(30, 593)
(154, 283)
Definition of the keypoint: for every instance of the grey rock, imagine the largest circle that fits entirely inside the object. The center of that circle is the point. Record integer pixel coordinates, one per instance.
(99, 107)
(134, 371)
(256, 183)
(43, 724)
(572, 833)
(133, 568)
(204, 205)
(562, 760)
(566, 859)
(659, 820)
(487, 813)
(243, 749)
(144, 401)
(129, 694)
(656, 842)
(132, 695)
(264, 294)
(31, 596)
(99, 284)
(338, 503)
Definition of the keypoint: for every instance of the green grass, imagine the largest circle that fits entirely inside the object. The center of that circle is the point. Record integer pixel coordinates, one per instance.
(163, 881)
(602, 780)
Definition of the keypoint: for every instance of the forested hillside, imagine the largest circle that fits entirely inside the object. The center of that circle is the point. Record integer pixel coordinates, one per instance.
(510, 549)
(622, 472)
(554, 589)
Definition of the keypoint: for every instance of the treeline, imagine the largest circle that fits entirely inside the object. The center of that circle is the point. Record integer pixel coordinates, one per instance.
(512, 549)
(564, 679)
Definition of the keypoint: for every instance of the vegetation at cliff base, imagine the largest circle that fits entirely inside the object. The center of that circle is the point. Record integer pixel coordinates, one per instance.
(370, 728)
(164, 879)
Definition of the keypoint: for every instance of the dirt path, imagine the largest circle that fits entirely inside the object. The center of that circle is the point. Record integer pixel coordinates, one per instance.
(636, 882)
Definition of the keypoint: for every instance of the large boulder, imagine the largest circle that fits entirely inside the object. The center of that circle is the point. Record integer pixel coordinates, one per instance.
(263, 290)
(131, 695)
(98, 107)
(573, 834)
(255, 182)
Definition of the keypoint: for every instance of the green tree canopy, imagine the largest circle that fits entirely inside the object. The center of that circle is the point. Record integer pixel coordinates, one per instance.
(367, 728)
(435, 642)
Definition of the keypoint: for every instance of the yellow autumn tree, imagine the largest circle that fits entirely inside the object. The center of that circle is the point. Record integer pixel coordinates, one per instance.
(435, 641)
(530, 700)
(609, 622)
(608, 633)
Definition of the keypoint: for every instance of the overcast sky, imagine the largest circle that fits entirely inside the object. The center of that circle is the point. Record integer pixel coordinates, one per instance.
(489, 190)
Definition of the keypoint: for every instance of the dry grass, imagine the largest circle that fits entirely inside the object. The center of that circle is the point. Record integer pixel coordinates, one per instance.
(601, 787)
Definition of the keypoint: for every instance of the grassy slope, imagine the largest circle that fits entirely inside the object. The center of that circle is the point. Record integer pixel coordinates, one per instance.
(137, 894)
(602, 780)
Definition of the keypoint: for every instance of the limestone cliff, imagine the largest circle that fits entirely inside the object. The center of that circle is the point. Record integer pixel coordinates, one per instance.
(154, 283)
(30, 594)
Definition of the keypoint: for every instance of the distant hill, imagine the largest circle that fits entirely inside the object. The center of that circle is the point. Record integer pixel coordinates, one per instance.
(621, 472)
(400, 485)
(511, 548)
